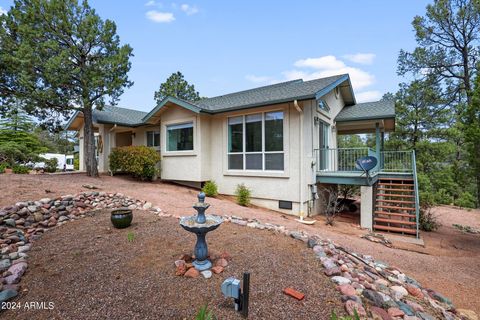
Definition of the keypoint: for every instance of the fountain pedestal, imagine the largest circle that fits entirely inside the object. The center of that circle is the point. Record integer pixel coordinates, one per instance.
(201, 224)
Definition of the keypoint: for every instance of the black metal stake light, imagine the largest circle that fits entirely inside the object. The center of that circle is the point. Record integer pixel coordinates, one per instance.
(231, 289)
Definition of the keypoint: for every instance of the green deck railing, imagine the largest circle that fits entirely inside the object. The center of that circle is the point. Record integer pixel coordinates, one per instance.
(415, 183)
(343, 160)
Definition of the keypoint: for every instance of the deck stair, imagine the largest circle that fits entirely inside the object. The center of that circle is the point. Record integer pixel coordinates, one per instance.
(395, 206)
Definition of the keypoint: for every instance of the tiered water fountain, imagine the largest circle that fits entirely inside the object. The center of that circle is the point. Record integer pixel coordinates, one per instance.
(201, 224)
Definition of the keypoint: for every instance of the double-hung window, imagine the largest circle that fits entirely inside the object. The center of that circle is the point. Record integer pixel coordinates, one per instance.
(255, 142)
(153, 138)
(180, 137)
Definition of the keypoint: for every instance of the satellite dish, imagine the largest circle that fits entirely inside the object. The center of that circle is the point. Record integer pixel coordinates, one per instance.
(366, 163)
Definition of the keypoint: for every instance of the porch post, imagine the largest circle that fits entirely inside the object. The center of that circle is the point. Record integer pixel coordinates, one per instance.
(377, 143)
(366, 207)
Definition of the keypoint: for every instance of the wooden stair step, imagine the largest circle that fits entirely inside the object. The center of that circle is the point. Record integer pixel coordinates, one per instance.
(395, 221)
(396, 201)
(395, 184)
(395, 207)
(395, 214)
(396, 190)
(395, 195)
(395, 179)
(396, 229)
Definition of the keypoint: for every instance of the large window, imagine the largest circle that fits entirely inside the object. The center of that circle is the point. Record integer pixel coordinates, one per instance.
(180, 137)
(153, 138)
(255, 142)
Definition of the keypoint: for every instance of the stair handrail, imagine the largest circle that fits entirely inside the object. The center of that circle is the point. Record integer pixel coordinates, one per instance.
(417, 198)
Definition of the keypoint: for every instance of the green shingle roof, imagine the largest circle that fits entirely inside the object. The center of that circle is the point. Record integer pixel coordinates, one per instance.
(120, 116)
(276, 93)
(369, 110)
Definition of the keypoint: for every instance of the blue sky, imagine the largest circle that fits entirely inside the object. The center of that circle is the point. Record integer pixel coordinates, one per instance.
(227, 46)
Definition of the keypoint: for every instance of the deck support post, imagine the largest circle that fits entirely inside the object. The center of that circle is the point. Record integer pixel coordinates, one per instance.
(378, 146)
(366, 207)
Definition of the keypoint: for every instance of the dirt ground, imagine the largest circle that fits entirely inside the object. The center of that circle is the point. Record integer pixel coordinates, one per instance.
(99, 274)
(449, 262)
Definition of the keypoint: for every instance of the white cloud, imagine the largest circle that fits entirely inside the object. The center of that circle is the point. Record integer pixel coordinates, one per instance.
(329, 66)
(368, 96)
(160, 17)
(2, 11)
(188, 9)
(325, 62)
(150, 3)
(325, 66)
(360, 58)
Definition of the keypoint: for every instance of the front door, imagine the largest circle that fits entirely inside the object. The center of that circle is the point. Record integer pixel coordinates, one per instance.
(323, 145)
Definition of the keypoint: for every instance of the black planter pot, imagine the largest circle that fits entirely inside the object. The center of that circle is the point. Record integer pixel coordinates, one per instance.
(121, 218)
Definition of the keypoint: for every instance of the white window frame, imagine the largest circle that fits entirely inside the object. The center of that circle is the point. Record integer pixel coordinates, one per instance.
(176, 124)
(244, 153)
(154, 132)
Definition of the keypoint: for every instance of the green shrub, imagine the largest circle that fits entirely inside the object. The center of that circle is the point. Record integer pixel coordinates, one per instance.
(205, 314)
(76, 162)
(466, 200)
(210, 189)
(355, 316)
(20, 169)
(139, 161)
(51, 165)
(443, 197)
(428, 221)
(3, 166)
(243, 195)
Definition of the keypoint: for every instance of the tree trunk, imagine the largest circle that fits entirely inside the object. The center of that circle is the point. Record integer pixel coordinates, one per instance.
(89, 142)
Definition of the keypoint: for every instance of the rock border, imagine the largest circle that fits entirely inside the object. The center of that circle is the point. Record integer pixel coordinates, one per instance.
(372, 288)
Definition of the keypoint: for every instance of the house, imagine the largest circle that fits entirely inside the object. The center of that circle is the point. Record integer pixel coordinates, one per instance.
(279, 140)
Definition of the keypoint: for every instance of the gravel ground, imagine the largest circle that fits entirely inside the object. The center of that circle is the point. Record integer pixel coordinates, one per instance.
(90, 270)
(449, 262)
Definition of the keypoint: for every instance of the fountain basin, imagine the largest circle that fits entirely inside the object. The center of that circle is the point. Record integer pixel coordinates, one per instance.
(191, 224)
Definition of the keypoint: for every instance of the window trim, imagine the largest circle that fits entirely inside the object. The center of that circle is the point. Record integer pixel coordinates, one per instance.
(164, 137)
(263, 152)
(159, 138)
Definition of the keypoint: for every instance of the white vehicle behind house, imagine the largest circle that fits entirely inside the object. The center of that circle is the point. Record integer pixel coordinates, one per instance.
(63, 161)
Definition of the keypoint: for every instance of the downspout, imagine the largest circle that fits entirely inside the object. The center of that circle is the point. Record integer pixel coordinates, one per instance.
(302, 199)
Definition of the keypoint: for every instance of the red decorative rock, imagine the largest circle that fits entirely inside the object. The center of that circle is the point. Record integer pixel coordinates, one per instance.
(395, 312)
(192, 273)
(379, 313)
(351, 306)
(186, 257)
(217, 269)
(294, 293)
(221, 262)
(347, 290)
(225, 255)
(414, 291)
(180, 270)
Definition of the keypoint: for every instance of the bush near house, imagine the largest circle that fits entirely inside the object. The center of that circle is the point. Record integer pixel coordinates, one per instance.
(3, 166)
(210, 189)
(20, 169)
(243, 195)
(139, 161)
(51, 165)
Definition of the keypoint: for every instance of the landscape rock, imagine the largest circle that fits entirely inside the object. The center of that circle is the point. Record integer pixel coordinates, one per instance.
(207, 274)
(192, 273)
(398, 292)
(10, 222)
(340, 280)
(217, 269)
(7, 294)
(467, 314)
(330, 272)
(380, 314)
(395, 312)
(374, 297)
(221, 262)
(180, 270)
(16, 271)
(414, 291)
(351, 306)
(347, 290)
